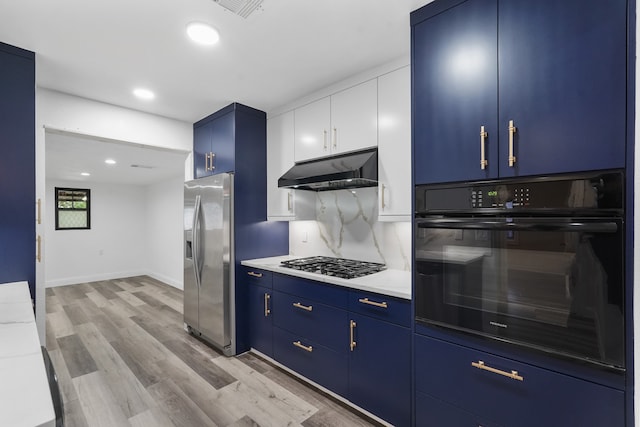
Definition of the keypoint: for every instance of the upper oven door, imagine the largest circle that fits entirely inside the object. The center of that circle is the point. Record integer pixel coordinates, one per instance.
(555, 284)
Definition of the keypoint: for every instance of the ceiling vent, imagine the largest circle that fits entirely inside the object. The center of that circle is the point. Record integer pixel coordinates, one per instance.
(243, 8)
(142, 166)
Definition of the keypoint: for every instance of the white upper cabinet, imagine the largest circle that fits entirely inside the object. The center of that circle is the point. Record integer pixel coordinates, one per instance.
(343, 122)
(354, 118)
(394, 146)
(284, 204)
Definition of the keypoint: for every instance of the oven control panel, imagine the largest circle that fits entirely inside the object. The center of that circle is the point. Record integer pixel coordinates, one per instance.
(596, 191)
(501, 197)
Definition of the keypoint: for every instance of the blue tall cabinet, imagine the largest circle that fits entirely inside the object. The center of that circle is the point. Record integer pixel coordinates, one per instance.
(237, 136)
(17, 166)
(504, 88)
(542, 82)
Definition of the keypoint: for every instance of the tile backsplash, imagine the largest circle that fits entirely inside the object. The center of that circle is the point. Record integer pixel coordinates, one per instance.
(347, 226)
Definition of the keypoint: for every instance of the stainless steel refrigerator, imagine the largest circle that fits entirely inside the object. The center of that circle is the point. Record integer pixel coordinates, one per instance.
(209, 288)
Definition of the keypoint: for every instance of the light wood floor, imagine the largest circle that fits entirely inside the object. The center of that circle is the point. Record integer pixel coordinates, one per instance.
(123, 359)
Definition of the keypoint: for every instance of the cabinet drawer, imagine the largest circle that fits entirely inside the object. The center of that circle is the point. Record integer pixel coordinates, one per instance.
(325, 325)
(318, 363)
(538, 397)
(255, 276)
(390, 309)
(436, 413)
(316, 291)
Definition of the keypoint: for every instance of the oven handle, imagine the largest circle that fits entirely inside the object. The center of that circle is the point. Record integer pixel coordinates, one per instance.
(521, 224)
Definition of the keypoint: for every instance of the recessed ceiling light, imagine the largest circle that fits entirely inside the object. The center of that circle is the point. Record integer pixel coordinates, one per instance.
(145, 94)
(203, 33)
(85, 174)
(110, 162)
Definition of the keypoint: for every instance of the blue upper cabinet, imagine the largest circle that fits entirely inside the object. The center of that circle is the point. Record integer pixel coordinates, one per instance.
(17, 166)
(562, 73)
(518, 87)
(214, 144)
(454, 92)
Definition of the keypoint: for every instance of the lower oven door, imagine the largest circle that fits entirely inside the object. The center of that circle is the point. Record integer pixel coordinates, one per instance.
(554, 284)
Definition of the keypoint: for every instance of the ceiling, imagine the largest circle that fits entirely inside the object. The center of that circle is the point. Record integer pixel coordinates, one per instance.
(69, 155)
(282, 51)
(286, 49)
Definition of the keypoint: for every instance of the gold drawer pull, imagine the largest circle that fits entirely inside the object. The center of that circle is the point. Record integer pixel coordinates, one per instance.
(302, 346)
(513, 374)
(374, 303)
(352, 326)
(512, 131)
(304, 307)
(483, 159)
(267, 310)
(251, 273)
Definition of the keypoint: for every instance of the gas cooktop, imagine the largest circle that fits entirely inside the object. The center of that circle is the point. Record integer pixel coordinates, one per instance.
(337, 267)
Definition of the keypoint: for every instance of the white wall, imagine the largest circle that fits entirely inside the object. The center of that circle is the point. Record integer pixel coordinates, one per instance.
(113, 247)
(60, 111)
(164, 225)
(135, 230)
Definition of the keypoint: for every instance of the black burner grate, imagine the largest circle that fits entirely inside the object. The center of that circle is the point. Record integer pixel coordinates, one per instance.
(338, 267)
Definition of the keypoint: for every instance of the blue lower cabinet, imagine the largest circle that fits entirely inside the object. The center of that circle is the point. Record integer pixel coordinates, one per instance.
(380, 368)
(323, 324)
(260, 323)
(320, 364)
(431, 412)
(509, 392)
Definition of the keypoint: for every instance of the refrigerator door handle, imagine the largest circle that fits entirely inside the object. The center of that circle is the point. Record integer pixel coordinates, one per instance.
(195, 227)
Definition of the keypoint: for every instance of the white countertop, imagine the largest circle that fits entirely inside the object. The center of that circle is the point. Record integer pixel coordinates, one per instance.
(25, 399)
(394, 283)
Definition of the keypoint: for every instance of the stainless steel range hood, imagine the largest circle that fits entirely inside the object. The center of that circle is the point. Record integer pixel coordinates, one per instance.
(351, 170)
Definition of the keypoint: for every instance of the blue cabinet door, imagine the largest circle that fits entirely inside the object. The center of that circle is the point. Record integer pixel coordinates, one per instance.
(223, 144)
(431, 412)
(201, 149)
(380, 369)
(260, 324)
(504, 390)
(17, 166)
(214, 145)
(562, 80)
(320, 364)
(454, 94)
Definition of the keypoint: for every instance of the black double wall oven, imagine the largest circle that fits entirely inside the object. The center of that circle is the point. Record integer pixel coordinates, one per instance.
(535, 262)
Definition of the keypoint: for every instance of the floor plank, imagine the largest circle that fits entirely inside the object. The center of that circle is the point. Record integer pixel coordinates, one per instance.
(76, 356)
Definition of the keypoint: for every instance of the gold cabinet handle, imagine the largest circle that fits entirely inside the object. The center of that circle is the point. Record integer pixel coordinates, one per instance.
(302, 346)
(335, 138)
(382, 203)
(512, 131)
(374, 303)
(251, 273)
(289, 204)
(325, 140)
(352, 341)
(39, 244)
(513, 374)
(39, 211)
(483, 160)
(267, 310)
(303, 307)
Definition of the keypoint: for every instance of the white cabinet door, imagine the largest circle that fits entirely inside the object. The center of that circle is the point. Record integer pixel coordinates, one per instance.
(394, 146)
(284, 204)
(354, 118)
(312, 126)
